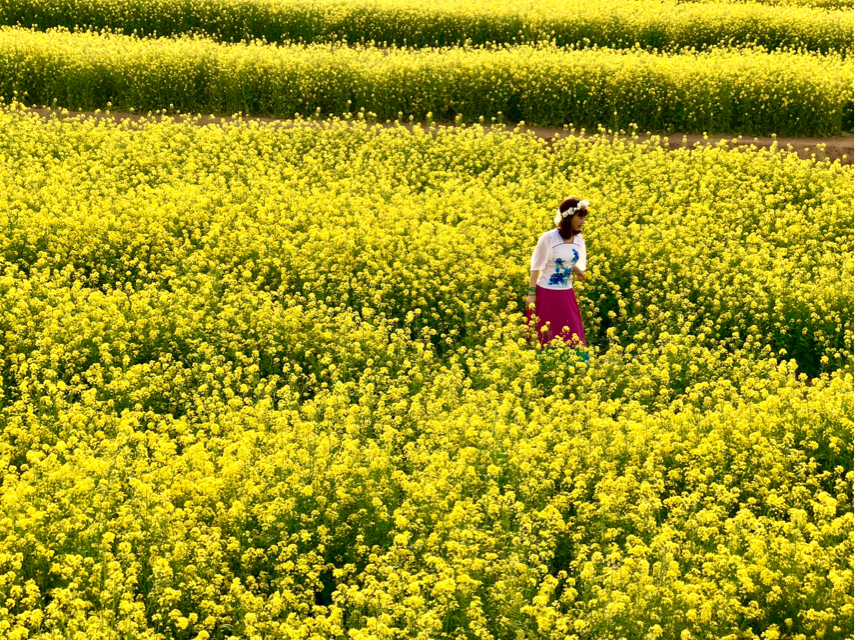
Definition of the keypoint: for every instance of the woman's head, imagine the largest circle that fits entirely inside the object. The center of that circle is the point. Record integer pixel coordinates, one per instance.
(571, 216)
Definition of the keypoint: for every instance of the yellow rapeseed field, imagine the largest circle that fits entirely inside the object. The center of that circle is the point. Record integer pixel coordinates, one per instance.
(730, 90)
(275, 383)
(618, 23)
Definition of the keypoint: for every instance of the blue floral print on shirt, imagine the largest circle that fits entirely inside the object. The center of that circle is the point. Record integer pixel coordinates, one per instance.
(562, 271)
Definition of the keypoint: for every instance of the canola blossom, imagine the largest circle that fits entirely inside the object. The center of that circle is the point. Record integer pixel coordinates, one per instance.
(419, 23)
(263, 382)
(722, 90)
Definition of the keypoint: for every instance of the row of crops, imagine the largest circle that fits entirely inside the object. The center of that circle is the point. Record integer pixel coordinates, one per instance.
(652, 24)
(744, 91)
(274, 382)
(746, 68)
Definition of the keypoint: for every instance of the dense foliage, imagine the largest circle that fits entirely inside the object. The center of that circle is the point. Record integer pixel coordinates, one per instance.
(722, 90)
(275, 383)
(612, 23)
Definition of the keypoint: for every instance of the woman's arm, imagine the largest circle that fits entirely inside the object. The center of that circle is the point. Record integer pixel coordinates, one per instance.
(538, 263)
(532, 284)
(578, 273)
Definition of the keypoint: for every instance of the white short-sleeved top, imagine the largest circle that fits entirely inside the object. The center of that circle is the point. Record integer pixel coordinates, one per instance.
(555, 259)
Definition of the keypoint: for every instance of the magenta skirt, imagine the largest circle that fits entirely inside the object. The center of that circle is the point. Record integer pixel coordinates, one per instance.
(557, 315)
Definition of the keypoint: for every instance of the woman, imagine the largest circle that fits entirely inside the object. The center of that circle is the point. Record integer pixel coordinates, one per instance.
(558, 257)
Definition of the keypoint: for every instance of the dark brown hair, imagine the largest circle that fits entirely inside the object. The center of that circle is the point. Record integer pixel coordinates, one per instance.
(564, 227)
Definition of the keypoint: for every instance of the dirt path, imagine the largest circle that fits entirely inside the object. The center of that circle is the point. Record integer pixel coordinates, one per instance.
(838, 148)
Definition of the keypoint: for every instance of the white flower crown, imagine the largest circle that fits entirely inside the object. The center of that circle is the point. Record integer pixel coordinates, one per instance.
(559, 215)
